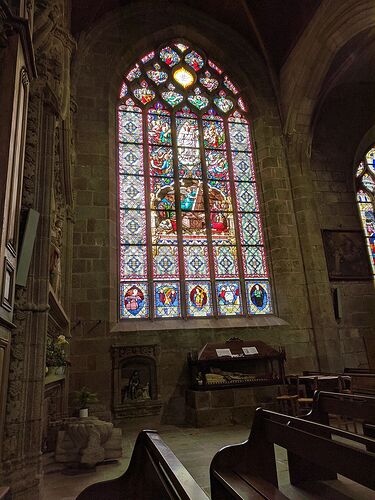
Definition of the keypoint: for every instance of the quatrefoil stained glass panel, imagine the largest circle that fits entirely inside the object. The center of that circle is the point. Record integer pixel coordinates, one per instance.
(191, 243)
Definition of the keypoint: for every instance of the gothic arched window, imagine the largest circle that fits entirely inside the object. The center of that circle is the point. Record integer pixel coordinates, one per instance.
(191, 242)
(365, 185)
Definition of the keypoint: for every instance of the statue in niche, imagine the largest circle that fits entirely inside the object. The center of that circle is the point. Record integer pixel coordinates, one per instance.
(134, 390)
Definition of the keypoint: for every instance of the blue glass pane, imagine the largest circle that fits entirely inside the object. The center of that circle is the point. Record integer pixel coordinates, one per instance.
(165, 262)
(250, 228)
(132, 191)
(167, 300)
(243, 167)
(254, 262)
(133, 262)
(130, 127)
(229, 301)
(132, 227)
(239, 136)
(225, 258)
(196, 261)
(130, 159)
(258, 297)
(246, 197)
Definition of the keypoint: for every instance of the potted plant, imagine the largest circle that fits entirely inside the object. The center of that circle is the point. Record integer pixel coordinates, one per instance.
(82, 399)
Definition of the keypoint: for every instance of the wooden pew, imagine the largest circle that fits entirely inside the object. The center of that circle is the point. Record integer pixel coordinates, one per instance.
(248, 470)
(354, 406)
(363, 383)
(154, 472)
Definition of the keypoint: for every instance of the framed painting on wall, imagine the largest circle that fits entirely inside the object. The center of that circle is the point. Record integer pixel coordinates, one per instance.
(346, 255)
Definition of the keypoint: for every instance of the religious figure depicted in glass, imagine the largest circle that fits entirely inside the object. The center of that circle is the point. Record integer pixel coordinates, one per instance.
(365, 184)
(189, 224)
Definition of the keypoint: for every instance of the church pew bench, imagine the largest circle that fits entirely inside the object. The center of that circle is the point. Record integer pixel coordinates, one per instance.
(154, 472)
(363, 383)
(359, 407)
(248, 470)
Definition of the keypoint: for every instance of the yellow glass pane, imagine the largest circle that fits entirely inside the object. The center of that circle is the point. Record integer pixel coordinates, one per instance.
(183, 77)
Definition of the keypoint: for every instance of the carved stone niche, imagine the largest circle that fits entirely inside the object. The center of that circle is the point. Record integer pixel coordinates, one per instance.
(135, 381)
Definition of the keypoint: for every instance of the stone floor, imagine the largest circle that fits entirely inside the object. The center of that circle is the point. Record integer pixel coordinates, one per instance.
(195, 449)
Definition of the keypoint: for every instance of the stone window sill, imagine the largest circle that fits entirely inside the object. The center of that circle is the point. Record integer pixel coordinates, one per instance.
(197, 324)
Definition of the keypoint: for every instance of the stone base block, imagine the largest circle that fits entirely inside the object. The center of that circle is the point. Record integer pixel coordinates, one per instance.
(228, 406)
(143, 408)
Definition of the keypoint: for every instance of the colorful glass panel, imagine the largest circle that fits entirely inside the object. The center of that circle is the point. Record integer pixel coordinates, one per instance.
(213, 134)
(224, 104)
(243, 167)
(159, 232)
(196, 263)
(194, 60)
(130, 159)
(215, 67)
(181, 46)
(198, 100)
(239, 136)
(144, 94)
(189, 162)
(259, 297)
(171, 97)
(159, 129)
(132, 227)
(133, 262)
(246, 196)
(225, 258)
(229, 301)
(134, 300)
(132, 191)
(209, 83)
(156, 75)
(187, 133)
(198, 298)
(161, 161)
(165, 262)
(250, 233)
(217, 165)
(370, 159)
(169, 56)
(167, 300)
(368, 182)
(130, 127)
(254, 262)
(230, 85)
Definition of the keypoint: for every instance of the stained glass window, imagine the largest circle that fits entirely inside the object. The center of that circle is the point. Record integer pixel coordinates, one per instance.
(365, 184)
(190, 234)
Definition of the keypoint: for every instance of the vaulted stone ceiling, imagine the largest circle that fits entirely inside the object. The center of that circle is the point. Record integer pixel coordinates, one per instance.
(275, 24)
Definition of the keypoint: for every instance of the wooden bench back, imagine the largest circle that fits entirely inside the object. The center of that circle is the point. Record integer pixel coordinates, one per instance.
(312, 453)
(356, 406)
(363, 383)
(154, 472)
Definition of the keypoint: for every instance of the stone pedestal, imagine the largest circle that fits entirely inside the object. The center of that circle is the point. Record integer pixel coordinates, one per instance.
(228, 406)
(88, 441)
